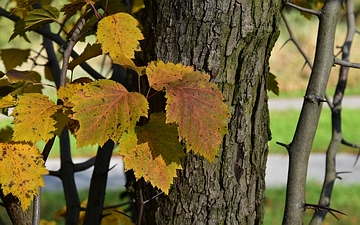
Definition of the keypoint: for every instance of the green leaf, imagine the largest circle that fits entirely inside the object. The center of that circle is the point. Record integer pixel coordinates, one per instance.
(163, 138)
(35, 19)
(14, 57)
(272, 84)
(90, 51)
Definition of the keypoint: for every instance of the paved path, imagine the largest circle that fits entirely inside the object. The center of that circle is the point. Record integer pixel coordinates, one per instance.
(279, 104)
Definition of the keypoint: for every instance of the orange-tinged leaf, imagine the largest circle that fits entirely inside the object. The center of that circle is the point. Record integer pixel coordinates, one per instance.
(34, 118)
(22, 168)
(105, 109)
(35, 19)
(140, 159)
(162, 138)
(15, 76)
(14, 57)
(118, 35)
(160, 74)
(89, 52)
(197, 106)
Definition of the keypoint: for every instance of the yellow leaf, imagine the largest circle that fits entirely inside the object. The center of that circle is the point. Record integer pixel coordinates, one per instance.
(105, 109)
(7, 101)
(45, 222)
(33, 118)
(118, 35)
(137, 5)
(14, 57)
(22, 168)
(140, 159)
(160, 74)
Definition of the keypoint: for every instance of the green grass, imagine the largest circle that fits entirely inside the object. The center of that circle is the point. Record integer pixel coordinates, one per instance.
(283, 125)
(345, 198)
(52, 202)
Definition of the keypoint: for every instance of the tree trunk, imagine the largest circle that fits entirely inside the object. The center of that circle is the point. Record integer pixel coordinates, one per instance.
(232, 41)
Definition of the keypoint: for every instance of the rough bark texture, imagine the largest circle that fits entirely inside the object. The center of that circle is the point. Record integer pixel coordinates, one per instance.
(232, 41)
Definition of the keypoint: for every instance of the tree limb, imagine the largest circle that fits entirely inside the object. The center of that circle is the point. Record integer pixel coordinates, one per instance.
(301, 144)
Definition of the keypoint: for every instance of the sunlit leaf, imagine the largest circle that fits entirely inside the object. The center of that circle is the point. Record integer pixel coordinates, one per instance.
(119, 36)
(105, 109)
(161, 74)
(14, 57)
(7, 101)
(34, 118)
(22, 169)
(195, 105)
(139, 158)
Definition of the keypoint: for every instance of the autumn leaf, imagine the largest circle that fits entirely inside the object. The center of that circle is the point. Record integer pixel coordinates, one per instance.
(34, 118)
(194, 104)
(161, 74)
(118, 35)
(71, 8)
(14, 57)
(137, 5)
(22, 168)
(139, 158)
(7, 101)
(105, 109)
(162, 138)
(16, 76)
(89, 52)
(35, 19)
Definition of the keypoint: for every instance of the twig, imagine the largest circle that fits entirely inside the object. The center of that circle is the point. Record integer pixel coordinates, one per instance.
(302, 9)
(346, 63)
(76, 35)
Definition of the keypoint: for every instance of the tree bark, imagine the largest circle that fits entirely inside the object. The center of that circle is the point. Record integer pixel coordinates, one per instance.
(232, 41)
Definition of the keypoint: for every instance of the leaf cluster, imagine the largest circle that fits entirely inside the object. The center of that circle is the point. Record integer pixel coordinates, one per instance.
(195, 116)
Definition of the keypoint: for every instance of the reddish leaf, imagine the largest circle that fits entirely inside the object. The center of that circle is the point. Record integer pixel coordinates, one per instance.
(105, 109)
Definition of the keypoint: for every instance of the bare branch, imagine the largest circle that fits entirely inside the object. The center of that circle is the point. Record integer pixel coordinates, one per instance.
(302, 9)
(346, 63)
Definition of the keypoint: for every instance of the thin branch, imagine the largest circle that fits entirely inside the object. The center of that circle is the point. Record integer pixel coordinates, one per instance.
(73, 40)
(122, 213)
(302, 9)
(346, 63)
(293, 39)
